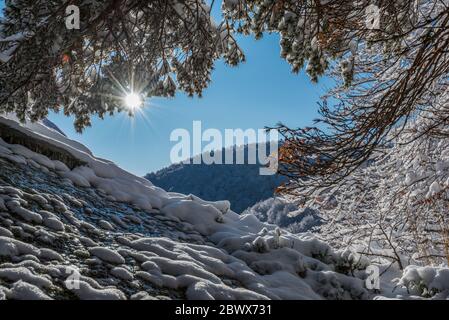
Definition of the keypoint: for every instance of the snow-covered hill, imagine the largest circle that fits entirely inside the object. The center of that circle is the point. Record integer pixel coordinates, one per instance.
(90, 230)
(241, 184)
(285, 214)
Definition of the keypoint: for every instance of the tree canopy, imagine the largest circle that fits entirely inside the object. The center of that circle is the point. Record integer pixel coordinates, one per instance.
(151, 47)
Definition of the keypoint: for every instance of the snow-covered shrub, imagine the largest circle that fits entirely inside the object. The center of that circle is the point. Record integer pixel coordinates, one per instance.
(426, 281)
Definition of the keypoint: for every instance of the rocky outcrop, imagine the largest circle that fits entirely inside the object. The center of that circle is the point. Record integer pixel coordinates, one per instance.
(14, 136)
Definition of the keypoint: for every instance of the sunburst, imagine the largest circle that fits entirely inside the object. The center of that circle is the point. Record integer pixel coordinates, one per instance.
(133, 101)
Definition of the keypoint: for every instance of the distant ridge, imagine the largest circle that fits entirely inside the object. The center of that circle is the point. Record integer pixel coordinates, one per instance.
(51, 125)
(241, 184)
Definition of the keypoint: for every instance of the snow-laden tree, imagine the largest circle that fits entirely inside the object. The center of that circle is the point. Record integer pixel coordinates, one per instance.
(389, 60)
(395, 207)
(375, 163)
(122, 46)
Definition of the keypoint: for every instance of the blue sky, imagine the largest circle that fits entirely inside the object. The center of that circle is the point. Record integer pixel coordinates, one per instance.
(258, 93)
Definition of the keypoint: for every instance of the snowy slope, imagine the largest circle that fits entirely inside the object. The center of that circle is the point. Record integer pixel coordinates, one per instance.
(285, 214)
(98, 232)
(241, 184)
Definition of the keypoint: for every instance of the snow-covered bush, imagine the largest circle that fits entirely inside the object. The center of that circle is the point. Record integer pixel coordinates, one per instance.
(426, 281)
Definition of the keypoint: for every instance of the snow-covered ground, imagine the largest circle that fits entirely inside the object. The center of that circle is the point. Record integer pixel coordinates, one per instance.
(98, 232)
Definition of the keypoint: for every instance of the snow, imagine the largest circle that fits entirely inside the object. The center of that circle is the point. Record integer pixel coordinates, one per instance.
(426, 281)
(209, 291)
(434, 189)
(100, 173)
(142, 295)
(22, 273)
(53, 223)
(171, 242)
(183, 210)
(105, 225)
(5, 232)
(107, 255)
(11, 247)
(85, 291)
(38, 158)
(25, 214)
(122, 273)
(25, 291)
(50, 255)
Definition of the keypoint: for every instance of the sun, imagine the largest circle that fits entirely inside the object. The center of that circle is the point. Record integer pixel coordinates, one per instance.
(133, 101)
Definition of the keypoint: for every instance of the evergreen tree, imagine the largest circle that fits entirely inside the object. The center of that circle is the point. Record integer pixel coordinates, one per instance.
(388, 60)
(122, 46)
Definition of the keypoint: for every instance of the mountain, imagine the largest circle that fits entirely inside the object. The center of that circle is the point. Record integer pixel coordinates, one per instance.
(241, 184)
(51, 125)
(73, 226)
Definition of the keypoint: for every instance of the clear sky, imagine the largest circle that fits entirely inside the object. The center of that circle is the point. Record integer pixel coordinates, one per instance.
(258, 93)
